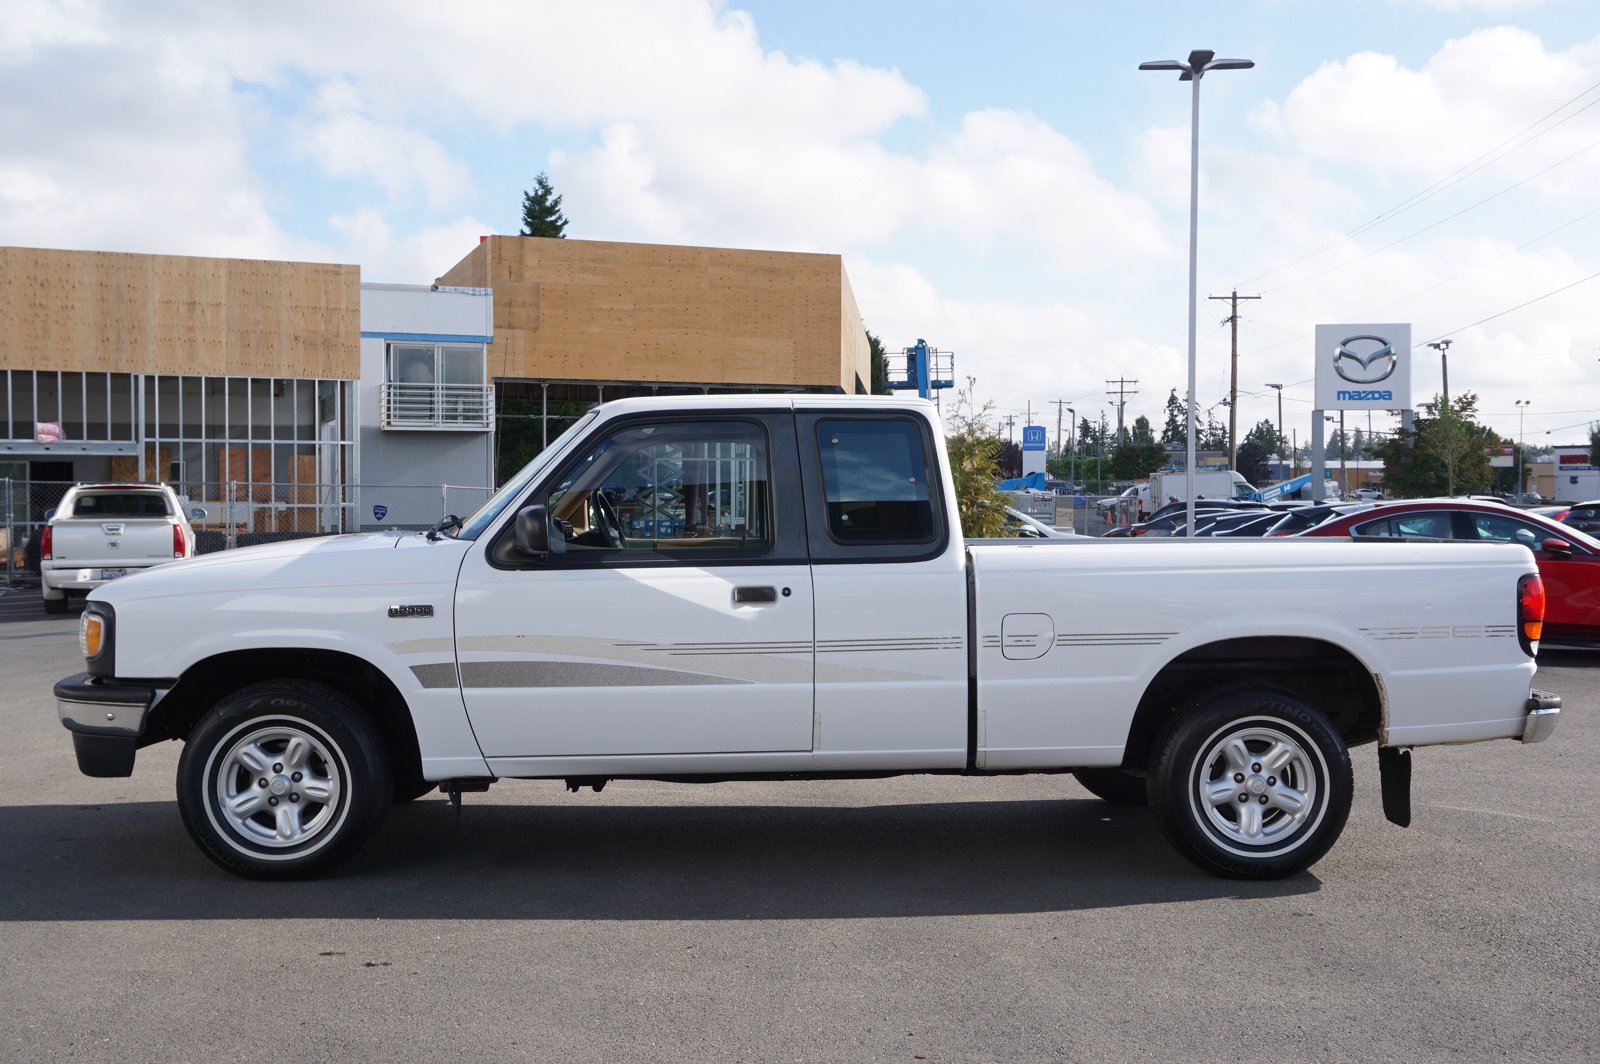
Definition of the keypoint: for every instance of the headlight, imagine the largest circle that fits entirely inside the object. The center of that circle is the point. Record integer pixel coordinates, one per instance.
(91, 634)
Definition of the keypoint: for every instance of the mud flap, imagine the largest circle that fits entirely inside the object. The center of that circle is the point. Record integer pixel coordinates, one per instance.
(1394, 770)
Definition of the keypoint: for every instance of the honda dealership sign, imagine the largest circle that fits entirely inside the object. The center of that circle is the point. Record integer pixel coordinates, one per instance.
(1363, 367)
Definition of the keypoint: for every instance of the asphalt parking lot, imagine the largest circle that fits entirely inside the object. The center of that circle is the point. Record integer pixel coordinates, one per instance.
(946, 919)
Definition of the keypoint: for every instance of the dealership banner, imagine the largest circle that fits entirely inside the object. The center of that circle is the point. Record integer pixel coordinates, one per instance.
(1363, 367)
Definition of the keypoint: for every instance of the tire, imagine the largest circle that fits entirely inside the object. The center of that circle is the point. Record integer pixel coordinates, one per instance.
(55, 605)
(1270, 747)
(327, 780)
(1114, 785)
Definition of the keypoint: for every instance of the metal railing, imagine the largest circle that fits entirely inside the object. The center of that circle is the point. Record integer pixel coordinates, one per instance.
(436, 406)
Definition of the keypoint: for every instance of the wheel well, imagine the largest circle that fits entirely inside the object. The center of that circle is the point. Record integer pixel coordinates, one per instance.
(1327, 676)
(207, 682)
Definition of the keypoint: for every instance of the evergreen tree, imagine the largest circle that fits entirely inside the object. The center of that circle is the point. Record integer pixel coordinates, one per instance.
(541, 210)
(1176, 430)
(880, 365)
(1594, 443)
(1266, 435)
(1253, 463)
(1142, 432)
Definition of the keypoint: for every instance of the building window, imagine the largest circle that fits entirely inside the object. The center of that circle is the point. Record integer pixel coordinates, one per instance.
(436, 386)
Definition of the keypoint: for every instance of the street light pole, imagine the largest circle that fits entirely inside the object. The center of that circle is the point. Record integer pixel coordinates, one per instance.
(1200, 61)
(1443, 347)
(1522, 448)
(1072, 475)
(1279, 389)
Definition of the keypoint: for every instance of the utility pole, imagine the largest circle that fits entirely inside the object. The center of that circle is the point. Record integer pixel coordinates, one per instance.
(1279, 389)
(1011, 419)
(1121, 391)
(1233, 378)
(1061, 444)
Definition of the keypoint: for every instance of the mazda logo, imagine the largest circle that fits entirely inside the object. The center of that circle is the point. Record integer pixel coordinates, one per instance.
(1365, 359)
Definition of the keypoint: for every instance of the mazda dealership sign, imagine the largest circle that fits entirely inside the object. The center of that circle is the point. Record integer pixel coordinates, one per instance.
(1363, 367)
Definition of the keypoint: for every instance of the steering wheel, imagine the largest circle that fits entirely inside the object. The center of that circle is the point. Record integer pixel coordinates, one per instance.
(606, 520)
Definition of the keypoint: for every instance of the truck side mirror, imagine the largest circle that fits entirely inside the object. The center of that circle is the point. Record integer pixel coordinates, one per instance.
(533, 532)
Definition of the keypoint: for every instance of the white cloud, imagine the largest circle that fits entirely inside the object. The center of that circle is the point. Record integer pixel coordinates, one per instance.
(347, 143)
(405, 258)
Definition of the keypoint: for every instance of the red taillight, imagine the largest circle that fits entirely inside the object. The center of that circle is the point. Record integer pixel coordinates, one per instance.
(180, 549)
(1530, 612)
(47, 543)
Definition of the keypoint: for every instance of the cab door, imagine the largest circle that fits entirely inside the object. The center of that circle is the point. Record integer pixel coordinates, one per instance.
(891, 593)
(676, 617)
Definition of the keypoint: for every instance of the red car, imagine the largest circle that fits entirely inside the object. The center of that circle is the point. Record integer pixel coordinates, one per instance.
(1568, 560)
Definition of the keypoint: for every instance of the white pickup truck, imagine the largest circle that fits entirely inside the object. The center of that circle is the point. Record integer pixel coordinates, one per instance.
(763, 587)
(101, 532)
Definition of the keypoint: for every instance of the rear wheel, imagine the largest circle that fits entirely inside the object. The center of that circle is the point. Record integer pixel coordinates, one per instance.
(55, 605)
(283, 780)
(1114, 785)
(1252, 784)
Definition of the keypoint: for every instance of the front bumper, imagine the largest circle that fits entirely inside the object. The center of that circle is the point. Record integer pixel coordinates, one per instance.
(106, 719)
(1544, 710)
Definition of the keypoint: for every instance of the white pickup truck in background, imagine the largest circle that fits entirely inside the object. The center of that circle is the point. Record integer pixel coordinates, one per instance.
(776, 587)
(101, 532)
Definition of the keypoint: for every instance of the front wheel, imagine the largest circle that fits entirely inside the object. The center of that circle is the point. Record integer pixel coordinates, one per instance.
(283, 780)
(1252, 784)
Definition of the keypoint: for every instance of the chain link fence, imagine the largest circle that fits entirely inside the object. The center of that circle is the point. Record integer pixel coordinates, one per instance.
(242, 513)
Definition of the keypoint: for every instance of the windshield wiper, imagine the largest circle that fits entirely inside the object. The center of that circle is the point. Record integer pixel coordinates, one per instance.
(445, 522)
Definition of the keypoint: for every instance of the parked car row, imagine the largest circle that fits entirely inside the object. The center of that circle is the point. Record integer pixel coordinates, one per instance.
(1567, 556)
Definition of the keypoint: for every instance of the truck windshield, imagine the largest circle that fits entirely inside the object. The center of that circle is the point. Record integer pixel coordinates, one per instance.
(481, 518)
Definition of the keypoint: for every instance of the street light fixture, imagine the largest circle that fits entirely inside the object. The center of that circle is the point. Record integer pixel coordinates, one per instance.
(1443, 347)
(1200, 62)
(1522, 452)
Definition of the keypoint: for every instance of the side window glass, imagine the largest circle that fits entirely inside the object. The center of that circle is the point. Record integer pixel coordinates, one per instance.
(1504, 530)
(875, 478)
(1433, 525)
(673, 486)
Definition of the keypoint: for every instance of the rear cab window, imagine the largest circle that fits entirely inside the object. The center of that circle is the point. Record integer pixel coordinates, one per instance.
(871, 488)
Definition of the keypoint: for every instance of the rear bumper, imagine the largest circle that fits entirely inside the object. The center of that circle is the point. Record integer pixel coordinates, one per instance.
(1544, 711)
(106, 719)
(86, 578)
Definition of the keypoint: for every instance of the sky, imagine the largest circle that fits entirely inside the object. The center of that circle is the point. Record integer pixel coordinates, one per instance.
(1000, 178)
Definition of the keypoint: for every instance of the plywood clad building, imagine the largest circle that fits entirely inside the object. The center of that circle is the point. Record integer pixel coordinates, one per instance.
(273, 393)
(585, 310)
(108, 312)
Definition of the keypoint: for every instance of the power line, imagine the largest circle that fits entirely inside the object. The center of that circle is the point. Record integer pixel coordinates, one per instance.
(1436, 224)
(1440, 185)
(1519, 306)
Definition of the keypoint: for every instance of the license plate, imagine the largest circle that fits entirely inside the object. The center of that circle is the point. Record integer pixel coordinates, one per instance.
(112, 574)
